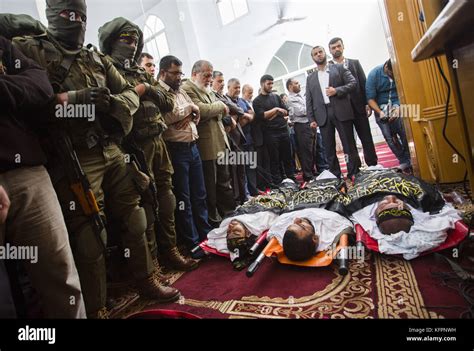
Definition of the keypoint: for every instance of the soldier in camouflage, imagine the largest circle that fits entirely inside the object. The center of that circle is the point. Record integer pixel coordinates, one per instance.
(83, 78)
(122, 40)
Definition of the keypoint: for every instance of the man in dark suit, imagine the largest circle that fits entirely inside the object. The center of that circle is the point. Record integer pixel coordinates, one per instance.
(362, 111)
(328, 105)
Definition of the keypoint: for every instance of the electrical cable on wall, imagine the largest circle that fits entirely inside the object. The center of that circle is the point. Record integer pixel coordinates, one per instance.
(446, 113)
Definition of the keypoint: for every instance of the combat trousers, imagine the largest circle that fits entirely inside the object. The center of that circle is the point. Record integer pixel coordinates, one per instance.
(110, 179)
(161, 167)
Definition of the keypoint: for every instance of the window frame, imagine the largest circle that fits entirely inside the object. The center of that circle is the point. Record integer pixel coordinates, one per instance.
(233, 12)
(152, 39)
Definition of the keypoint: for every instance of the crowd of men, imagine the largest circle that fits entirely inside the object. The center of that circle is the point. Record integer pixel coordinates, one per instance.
(145, 165)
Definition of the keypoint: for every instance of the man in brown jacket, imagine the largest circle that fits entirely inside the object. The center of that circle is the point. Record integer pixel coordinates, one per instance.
(211, 142)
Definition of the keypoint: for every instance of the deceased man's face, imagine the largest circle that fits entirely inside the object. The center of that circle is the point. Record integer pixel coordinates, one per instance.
(393, 215)
(389, 202)
(236, 230)
(302, 227)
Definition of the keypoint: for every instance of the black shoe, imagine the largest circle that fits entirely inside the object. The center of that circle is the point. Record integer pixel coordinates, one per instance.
(198, 254)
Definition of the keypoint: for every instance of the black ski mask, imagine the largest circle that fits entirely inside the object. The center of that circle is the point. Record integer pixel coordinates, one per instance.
(69, 33)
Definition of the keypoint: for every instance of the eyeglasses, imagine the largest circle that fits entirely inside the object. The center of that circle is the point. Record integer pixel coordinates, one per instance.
(177, 73)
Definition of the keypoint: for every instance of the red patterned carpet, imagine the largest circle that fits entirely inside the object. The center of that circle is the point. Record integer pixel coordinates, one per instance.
(379, 287)
(385, 157)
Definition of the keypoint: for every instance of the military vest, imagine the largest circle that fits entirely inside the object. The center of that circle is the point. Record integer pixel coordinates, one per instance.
(86, 69)
(147, 121)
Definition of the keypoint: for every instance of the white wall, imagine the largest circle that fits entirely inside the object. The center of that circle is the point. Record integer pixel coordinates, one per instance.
(178, 26)
(358, 22)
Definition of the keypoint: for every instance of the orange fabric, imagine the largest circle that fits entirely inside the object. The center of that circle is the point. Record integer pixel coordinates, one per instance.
(320, 259)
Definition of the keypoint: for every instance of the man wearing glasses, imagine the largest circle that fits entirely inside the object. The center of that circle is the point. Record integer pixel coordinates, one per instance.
(181, 137)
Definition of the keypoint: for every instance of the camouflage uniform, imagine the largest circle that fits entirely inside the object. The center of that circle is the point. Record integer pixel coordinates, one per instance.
(148, 126)
(96, 145)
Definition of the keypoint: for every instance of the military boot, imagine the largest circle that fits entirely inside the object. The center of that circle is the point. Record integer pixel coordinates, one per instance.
(149, 287)
(163, 278)
(174, 260)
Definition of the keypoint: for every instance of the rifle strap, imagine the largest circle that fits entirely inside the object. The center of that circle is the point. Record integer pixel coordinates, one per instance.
(61, 72)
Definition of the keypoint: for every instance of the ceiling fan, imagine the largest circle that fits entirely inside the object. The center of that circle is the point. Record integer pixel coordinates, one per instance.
(281, 17)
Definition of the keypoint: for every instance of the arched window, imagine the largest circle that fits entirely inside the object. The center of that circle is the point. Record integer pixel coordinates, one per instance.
(230, 10)
(154, 36)
(292, 60)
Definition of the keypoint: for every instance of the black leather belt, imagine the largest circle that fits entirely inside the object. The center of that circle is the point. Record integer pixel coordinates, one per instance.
(182, 144)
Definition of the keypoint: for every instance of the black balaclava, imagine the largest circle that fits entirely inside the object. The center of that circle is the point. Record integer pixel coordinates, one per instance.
(71, 34)
(110, 35)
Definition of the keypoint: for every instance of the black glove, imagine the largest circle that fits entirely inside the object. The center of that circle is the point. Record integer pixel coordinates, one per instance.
(164, 103)
(99, 96)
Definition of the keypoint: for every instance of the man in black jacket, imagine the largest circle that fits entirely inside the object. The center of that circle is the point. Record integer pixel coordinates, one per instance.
(34, 223)
(328, 106)
(273, 116)
(362, 111)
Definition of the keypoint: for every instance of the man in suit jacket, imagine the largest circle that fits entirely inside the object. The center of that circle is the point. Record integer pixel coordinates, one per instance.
(328, 106)
(362, 111)
(212, 142)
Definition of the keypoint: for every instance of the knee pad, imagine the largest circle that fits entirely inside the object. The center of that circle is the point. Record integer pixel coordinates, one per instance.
(86, 245)
(136, 223)
(149, 214)
(167, 202)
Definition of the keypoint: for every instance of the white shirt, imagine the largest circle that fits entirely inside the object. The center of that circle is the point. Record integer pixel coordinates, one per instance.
(182, 109)
(323, 77)
(327, 225)
(427, 232)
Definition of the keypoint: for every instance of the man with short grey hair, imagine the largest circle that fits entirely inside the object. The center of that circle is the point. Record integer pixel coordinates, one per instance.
(211, 142)
(239, 139)
(252, 132)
